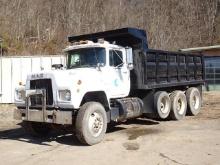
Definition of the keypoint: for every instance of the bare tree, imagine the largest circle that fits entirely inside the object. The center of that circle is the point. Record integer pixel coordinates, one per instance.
(31, 27)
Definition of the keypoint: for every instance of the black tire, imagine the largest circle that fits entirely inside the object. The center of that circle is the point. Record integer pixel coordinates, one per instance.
(91, 123)
(36, 129)
(178, 105)
(194, 101)
(162, 104)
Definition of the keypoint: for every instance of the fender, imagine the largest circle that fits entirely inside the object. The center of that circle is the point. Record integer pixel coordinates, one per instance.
(98, 96)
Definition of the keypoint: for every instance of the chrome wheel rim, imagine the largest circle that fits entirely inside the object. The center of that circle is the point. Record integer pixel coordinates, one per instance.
(163, 106)
(180, 106)
(95, 124)
(195, 101)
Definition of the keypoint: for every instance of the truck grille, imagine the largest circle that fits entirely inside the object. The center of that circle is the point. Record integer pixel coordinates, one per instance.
(41, 84)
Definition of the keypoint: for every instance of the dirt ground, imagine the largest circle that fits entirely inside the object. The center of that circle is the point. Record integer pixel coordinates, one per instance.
(192, 141)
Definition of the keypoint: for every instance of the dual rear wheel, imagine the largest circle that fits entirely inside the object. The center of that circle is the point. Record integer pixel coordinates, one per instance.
(194, 101)
(176, 105)
(179, 105)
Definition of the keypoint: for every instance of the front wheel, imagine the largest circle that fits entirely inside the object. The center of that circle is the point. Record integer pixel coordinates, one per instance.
(91, 123)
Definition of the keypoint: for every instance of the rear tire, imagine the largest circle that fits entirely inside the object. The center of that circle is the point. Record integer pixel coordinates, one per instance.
(178, 105)
(194, 101)
(162, 104)
(91, 123)
(36, 129)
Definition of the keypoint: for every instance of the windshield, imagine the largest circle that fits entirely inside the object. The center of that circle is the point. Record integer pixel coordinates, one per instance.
(86, 57)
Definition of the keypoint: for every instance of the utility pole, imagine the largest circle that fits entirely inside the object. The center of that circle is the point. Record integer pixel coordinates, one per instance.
(1, 53)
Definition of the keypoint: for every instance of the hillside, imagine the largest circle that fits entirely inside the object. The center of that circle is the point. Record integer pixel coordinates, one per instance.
(42, 27)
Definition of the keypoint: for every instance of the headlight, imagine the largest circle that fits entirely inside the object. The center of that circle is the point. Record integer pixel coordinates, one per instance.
(19, 94)
(64, 95)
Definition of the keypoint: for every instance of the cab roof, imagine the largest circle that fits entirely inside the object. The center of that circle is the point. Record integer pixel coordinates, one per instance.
(91, 45)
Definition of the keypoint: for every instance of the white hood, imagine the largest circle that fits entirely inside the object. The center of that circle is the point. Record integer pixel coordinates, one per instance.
(67, 78)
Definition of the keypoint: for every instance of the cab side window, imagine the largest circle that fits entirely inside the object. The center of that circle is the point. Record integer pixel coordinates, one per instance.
(116, 58)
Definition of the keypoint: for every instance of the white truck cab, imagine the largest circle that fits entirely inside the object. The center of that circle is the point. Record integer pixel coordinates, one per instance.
(91, 67)
(99, 67)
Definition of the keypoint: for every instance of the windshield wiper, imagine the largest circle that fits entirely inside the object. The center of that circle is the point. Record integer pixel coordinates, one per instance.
(82, 66)
(119, 65)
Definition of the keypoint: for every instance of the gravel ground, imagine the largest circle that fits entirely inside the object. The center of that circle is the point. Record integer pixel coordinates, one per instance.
(192, 141)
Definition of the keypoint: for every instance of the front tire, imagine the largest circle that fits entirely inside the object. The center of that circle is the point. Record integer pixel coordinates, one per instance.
(178, 105)
(91, 123)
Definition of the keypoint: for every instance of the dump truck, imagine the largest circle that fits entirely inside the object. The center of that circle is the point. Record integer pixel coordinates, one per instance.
(110, 77)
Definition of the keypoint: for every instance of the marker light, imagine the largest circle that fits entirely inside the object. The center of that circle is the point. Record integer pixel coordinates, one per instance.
(79, 82)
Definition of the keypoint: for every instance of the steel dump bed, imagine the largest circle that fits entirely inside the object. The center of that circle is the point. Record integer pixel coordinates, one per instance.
(158, 69)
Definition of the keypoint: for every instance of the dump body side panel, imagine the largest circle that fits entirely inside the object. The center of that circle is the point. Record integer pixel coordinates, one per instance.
(161, 69)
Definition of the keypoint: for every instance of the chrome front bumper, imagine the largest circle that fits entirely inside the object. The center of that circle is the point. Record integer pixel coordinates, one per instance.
(50, 116)
(42, 115)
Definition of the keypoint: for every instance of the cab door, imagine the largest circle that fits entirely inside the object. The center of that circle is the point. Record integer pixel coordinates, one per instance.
(119, 74)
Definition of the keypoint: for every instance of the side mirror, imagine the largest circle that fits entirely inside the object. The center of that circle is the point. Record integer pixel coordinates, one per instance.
(129, 58)
(130, 66)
